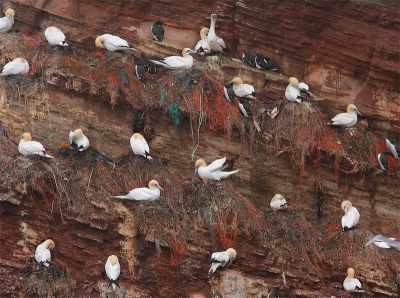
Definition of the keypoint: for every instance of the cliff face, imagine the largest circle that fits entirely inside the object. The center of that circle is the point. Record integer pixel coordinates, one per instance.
(348, 52)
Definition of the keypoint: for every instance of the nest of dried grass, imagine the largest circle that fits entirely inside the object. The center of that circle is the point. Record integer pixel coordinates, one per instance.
(40, 281)
(303, 131)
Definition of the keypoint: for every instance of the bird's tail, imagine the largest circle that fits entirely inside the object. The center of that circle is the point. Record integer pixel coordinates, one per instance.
(121, 197)
(256, 125)
(214, 267)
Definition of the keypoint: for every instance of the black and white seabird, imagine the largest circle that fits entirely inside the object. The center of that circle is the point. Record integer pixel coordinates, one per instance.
(248, 58)
(157, 30)
(229, 93)
(393, 146)
(246, 110)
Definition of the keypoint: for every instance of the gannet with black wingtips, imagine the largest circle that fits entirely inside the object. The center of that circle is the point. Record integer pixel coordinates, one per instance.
(113, 270)
(351, 215)
(202, 47)
(112, 43)
(242, 90)
(17, 66)
(222, 259)
(43, 254)
(28, 147)
(352, 284)
(213, 171)
(278, 202)
(216, 43)
(55, 36)
(293, 90)
(7, 21)
(139, 145)
(78, 140)
(177, 62)
(143, 193)
(384, 242)
(348, 119)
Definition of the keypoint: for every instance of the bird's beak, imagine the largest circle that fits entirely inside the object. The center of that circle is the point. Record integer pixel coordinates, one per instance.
(195, 170)
(358, 112)
(229, 83)
(160, 187)
(191, 51)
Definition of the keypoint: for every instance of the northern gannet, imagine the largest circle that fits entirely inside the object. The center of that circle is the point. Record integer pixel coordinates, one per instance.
(113, 270)
(43, 254)
(15, 67)
(7, 21)
(177, 62)
(242, 90)
(352, 284)
(278, 202)
(216, 43)
(55, 36)
(78, 140)
(28, 147)
(293, 90)
(202, 47)
(139, 145)
(143, 193)
(112, 43)
(351, 215)
(384, 242)
(348, 119)
(214, 170)
(222, 259)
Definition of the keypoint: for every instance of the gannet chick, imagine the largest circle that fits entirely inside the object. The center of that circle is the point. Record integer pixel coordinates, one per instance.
(351, 215)
(216, 43)
(112, 43)
(393, 146)
(242, 90)
(278, 202)
(214, 170)
(384, 242)
(55, 36)
(15, 67)
(143, 193)
(139, 145)
(42, 254)
(222, 259)
(113, 269)
(28, 147)
(348, 119)
(7, 21)
(202, 47)
(177, 62)
(157, 30)
(383, 160)
(78, 140)
(293, 90)
(352, 284)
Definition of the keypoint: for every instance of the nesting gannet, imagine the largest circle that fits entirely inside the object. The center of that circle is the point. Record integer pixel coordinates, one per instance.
(352, 284)
(216, 43)
(28, 147)
(384, 242)
(348, 119)
(202, 47)
(293, 90)
(7, 21)
(177, 62)
(78, 140)
(143, 193)
(393, 146)
(351, 215)
(139, 145)
(278, 202)
(213, 170)
(157, 30)
(55, 36)
(242, 90)
(248, 58)
(43, 254)
(113, 269)
(229, 93)
(246, 110)
(266, 63)
(383, 160)
(15, 67)
(112, 43)
(222, 259)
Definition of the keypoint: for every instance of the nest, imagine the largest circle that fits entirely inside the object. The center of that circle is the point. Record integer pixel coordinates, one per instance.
(302, 130)
(36, 280)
